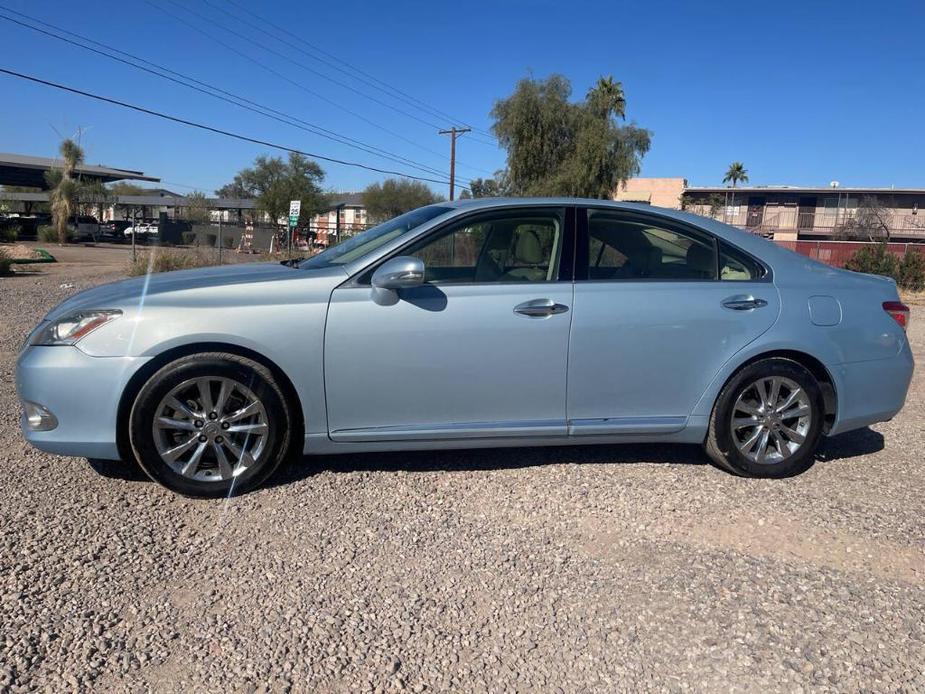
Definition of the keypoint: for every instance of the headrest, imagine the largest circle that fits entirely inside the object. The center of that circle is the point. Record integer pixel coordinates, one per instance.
(700, 259)
(528, 250)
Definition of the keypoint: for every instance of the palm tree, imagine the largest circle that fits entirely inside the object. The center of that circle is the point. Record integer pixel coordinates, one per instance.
(609, 94)
(64, 187)
(735, 173)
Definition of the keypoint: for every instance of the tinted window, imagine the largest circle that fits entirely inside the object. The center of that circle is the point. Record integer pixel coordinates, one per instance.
(737, 266)
(506, 248)
(621, 248)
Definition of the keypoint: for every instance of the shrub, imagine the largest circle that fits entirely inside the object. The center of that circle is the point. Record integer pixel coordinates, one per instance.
(10, 234)
(48, 234)
(5, 263)
(912, 271)
(875, 260)
(160, 260)
(228, 242)
(189, 237)
(908, 271)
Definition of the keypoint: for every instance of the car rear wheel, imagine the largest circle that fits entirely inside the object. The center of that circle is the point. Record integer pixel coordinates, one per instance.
(767, 420)
(210, 424)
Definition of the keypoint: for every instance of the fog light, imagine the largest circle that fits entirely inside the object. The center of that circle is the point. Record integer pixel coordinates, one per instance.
(38, 417)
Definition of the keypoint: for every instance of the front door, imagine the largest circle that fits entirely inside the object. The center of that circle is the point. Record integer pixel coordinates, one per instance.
(656, 315)
(755, 212)
(806, 214)
(472, 353)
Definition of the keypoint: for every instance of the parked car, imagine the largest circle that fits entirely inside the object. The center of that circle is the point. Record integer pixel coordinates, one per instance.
(473, 324)
(114, 229)
(84, 227)
(143, 231)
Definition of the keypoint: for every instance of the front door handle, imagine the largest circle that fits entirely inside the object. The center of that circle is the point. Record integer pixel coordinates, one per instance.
(744, 303)
(540, 308)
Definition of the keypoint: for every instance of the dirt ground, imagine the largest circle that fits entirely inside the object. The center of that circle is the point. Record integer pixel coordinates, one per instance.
(603, 568)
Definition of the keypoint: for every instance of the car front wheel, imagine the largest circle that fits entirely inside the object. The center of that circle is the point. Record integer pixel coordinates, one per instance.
(767, 421)
(210, 424)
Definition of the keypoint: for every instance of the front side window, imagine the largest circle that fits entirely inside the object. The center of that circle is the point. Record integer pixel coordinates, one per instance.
(366, 242)
(501, 248)
(621, 248)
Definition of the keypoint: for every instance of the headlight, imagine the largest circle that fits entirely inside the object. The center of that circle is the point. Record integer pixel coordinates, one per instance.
(72, 327)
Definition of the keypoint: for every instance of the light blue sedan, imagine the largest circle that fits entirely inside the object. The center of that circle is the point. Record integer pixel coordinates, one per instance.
(472, 324)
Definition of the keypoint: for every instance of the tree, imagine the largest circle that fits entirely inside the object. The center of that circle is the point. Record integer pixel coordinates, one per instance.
(273, 183)
(556, 147)
(395, 196)
(736, 173)
(495, 187)
(197, 207)
(871, 221)
(64, 187)
(123, 188)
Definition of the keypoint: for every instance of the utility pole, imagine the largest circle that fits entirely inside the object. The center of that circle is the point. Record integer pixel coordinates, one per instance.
(453, 132)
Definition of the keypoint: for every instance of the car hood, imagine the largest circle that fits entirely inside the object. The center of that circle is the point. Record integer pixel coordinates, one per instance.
(131, 293)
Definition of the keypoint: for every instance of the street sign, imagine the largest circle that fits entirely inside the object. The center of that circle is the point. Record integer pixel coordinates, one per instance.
(293, 221)
(295, 207)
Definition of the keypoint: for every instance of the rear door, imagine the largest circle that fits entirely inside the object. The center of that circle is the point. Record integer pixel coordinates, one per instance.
(659, 307)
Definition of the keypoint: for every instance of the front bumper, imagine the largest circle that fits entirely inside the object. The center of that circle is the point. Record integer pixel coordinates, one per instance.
(82, 392)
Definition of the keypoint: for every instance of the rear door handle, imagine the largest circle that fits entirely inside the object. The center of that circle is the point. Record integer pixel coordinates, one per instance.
(540, 308)
(744, 303)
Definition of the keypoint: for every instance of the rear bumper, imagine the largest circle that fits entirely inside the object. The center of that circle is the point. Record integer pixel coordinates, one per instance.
(82, 392)
(871, 391)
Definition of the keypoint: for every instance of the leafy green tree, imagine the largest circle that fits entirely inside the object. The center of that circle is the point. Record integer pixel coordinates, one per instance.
(125, 188)
(736, 173)
(495, 187)
(197, 207)
(273, 183)
(65, 188)
(912, 270)
(556, 147)
(395, 196)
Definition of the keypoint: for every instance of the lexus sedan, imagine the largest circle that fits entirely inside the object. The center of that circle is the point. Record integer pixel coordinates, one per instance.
(472, 324)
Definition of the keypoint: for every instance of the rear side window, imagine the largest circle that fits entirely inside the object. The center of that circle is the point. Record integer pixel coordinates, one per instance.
(629, 249)
(736, 266)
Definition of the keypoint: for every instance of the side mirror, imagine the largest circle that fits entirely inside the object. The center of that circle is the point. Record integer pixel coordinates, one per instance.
(402, 272)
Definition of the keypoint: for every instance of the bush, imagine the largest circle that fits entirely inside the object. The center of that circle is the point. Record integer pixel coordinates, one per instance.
(160, 260)
(48, 234)
(228, 242)
(189, 238)
(5, 263)
(10, 234)
(908, 271)
(912, 271)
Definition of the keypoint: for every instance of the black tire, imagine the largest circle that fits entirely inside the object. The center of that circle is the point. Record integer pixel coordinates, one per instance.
(720, 445)
(257, 378)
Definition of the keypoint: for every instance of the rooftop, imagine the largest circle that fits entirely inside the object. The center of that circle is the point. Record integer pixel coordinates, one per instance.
(24, 170)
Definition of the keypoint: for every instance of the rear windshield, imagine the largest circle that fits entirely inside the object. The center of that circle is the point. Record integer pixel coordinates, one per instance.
(366, 242)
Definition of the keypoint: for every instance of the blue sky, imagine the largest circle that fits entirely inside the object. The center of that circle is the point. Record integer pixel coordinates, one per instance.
(801, 92)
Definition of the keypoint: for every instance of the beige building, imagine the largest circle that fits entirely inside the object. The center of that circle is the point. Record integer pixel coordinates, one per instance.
(661, 192)
(793, 212)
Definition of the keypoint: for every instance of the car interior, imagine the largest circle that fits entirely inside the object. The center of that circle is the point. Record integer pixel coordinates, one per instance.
(515, 249)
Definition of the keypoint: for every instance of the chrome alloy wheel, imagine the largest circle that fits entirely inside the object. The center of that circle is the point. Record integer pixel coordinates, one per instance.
(210, 429)
(771, 419)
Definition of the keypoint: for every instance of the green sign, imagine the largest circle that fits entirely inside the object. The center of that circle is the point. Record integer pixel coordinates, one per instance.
(293, 221)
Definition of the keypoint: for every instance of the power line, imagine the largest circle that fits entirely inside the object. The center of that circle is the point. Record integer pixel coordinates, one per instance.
(212, 129)
(265, 111)
(353, 72)
(276, 73)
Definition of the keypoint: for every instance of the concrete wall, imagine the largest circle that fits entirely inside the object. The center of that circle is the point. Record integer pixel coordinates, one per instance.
(661, 192)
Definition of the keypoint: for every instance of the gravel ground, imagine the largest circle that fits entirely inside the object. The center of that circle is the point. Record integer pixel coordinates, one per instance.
(565, 569)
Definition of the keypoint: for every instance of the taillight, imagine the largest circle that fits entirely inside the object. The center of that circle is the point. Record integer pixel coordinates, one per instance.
(899, 311)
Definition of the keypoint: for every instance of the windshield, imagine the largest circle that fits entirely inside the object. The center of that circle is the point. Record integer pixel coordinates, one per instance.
(357, 246)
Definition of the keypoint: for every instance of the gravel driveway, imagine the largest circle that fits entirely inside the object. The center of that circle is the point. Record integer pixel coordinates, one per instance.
(567, 569)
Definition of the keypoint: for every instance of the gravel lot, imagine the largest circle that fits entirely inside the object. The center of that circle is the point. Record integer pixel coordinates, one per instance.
(566, 569)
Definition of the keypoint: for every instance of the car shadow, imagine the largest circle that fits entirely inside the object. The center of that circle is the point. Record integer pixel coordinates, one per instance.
(849, 445)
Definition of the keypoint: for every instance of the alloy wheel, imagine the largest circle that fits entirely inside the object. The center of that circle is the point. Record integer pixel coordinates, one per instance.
(771, 419)
(210, 429)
